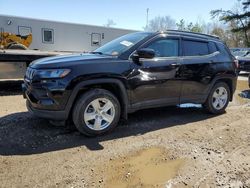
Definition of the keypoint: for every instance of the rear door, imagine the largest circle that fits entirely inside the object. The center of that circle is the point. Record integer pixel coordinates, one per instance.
(198, 66)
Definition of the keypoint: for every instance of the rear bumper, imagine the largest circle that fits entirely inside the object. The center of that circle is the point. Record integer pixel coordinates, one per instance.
(47, 114)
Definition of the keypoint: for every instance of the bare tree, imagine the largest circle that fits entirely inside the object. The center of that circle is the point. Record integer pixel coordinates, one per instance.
(224, 32)
(109, 23)
(161, 23)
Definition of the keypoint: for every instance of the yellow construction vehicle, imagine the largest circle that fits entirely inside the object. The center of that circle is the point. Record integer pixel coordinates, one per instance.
(13, 41)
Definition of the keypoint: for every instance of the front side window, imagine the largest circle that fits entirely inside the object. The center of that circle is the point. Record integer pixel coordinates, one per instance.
(165, 47)
(48, 35)
(195, 48)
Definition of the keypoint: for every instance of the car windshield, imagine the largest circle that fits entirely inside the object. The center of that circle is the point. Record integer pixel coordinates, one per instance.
(121, 44)
(248, 55)
(240, 53)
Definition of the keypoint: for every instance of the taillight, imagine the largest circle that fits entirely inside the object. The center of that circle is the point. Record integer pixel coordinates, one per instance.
(236, 63)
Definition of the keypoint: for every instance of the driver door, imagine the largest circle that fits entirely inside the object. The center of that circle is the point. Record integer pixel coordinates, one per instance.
(155, 82)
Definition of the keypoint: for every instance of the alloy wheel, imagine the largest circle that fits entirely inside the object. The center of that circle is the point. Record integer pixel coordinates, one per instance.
(220, 97)
(99, 114)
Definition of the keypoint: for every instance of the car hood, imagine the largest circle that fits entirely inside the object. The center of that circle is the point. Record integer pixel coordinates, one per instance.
(62, 61)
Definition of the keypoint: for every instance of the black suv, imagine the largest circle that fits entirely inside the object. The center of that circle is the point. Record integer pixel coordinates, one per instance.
(136, 71)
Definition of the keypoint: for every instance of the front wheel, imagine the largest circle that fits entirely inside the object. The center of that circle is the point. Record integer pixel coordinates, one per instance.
(218, 98)
(96, 112)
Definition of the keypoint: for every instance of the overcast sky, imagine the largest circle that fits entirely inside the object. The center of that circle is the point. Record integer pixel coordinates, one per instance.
(130, 14)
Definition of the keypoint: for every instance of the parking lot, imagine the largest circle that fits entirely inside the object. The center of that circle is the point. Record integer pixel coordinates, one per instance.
(172, 146)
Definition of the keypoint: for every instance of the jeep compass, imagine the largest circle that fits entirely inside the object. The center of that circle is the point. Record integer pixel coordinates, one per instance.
(136, 71)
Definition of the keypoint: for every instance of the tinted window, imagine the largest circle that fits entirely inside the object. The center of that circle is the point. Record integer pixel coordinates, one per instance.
(194, 48)
(48, 35)
(212, 47)
(165, 47)
(95, 39)
(224, 50)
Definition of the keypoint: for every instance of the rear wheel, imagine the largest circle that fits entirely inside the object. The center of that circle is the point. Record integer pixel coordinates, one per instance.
(96, 112)
(218, 98)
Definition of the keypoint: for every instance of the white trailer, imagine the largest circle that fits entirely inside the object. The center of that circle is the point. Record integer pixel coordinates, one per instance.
(50, 36)
(60, 36)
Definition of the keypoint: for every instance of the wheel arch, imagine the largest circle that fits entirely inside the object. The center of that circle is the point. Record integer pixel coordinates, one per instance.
(229, 80)
(115, 86)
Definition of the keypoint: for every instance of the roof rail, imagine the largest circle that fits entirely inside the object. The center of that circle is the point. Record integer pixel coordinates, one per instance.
(194, 33)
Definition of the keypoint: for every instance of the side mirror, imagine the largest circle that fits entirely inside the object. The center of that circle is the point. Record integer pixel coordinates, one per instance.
(146, 53)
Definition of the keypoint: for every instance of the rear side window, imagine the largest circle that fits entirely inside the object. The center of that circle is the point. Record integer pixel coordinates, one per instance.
(212, 47)
(224, 50)
(194, 48)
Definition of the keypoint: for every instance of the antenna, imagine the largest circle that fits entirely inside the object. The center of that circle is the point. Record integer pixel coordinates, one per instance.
(147, 18)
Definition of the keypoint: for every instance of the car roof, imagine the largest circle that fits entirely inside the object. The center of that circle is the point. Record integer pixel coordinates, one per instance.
(192, 34)
(188, 34)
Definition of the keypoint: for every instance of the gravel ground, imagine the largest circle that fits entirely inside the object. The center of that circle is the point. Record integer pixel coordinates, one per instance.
(166, 147)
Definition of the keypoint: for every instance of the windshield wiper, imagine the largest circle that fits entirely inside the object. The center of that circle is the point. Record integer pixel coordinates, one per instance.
(100, 53)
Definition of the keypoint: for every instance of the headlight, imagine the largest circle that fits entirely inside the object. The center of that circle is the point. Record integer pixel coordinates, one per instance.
(53, 73)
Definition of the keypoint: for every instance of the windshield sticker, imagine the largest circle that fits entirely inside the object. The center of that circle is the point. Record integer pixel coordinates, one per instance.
(126, 43)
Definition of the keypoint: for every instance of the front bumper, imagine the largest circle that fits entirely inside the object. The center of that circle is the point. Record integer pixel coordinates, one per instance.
(46, 100)
(47, 114)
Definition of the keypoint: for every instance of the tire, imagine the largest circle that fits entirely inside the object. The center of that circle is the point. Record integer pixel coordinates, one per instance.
(90, 115)
(218, 98)
(17, 47)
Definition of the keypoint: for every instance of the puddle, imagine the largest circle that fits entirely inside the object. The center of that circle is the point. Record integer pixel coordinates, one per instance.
(147, 168)
(245, 94)
(242, 94)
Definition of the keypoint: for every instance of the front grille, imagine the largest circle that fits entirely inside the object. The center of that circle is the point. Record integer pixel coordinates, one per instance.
(30, 73)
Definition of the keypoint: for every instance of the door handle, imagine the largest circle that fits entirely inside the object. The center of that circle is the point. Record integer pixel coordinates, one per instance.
(174, 65)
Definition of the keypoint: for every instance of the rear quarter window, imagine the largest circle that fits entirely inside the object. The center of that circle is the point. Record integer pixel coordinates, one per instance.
(212, 47)
(195, 48)
(223, 49)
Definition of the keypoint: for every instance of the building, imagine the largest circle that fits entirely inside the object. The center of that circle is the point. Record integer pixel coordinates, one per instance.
(60, 36)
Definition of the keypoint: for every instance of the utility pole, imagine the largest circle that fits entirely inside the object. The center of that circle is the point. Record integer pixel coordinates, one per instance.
(147, 18)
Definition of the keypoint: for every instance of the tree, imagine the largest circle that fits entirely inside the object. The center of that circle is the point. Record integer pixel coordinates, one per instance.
(198, 28)
(109, 23)
(161, 23)
(224, 32)
(239, 19)
(181, 25)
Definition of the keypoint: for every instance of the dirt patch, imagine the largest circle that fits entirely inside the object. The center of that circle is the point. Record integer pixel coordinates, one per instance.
(147, 168)
(179, 147)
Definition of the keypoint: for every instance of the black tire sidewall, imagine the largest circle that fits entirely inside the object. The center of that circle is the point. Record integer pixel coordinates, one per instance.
(84, 101)
(17, 47)
(209, 103)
